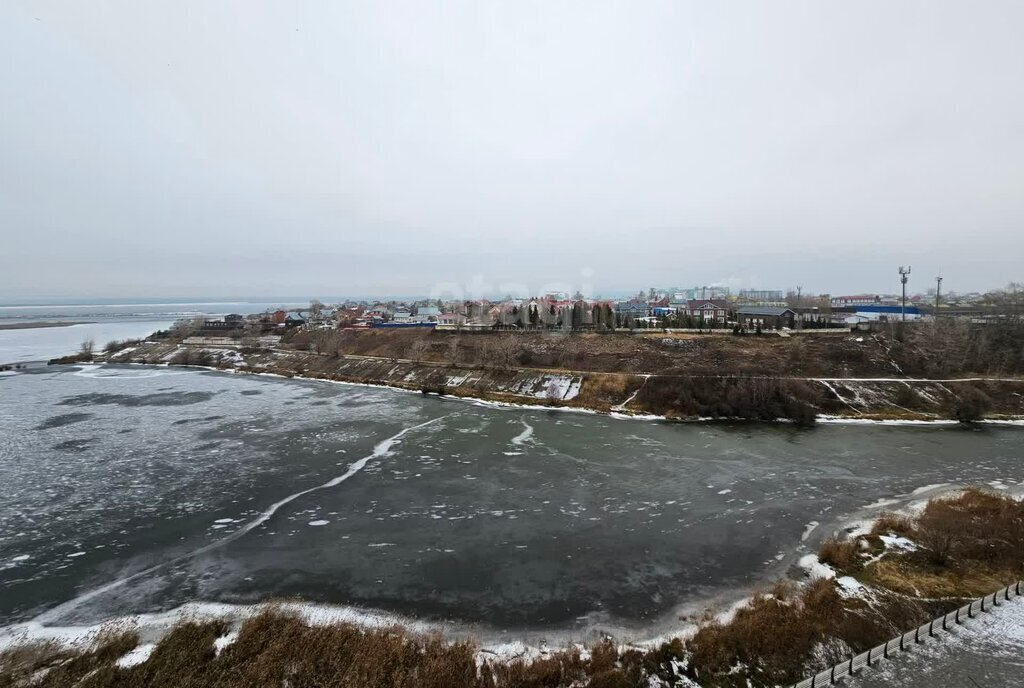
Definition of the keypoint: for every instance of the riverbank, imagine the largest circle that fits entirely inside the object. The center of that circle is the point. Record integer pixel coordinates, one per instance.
(776, 637)
(672, 394)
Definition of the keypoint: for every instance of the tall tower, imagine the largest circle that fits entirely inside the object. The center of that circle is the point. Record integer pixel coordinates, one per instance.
(904, 273)
(938, 292)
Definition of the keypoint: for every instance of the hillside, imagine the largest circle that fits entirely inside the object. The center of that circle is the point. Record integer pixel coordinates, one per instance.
(800, 378)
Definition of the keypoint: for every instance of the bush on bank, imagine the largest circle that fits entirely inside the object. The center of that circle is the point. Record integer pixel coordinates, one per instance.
(762, 399)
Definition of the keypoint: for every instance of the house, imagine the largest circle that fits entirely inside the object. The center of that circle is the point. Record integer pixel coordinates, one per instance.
(401, 315)
(379, 311)
(428, 313)
(708, 310)
(233, 321)
(633, 307)
(766, 317)
(347, 316)
(451, 319)
(294, 319)
(278, 316)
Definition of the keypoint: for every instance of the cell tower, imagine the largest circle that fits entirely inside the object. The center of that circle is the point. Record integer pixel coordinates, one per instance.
(904, 273)
(938, 292)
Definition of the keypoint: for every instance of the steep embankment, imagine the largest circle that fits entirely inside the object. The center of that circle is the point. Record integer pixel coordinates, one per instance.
(764, 388)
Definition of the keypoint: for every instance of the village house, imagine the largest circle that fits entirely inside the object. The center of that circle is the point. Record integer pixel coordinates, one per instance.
(633, 307)
(707, 310)
(428, 314)
(379, 311)
(451, 319)
(766, 317)
(232, 321)
(294, 319)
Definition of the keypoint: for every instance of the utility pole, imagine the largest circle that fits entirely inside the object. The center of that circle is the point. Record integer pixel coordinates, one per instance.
(799, 302)
(904, 272)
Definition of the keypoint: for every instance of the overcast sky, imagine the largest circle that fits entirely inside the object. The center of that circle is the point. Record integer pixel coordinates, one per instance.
(235, 148)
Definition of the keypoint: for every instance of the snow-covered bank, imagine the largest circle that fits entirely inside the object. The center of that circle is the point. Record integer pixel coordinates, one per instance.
(617, 411)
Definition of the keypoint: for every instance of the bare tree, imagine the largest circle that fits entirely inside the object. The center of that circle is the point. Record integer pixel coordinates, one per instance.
(87, 347)
(506, 347)
(418, 348)
(454, 352)
(324, 342)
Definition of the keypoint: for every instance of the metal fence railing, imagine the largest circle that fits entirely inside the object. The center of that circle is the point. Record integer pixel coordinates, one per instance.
(911, 638)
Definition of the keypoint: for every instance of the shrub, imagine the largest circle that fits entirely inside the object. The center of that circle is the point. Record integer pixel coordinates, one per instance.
(971, 405)
(113, 346)
(747, 398)
(192, 357)
(840, 554)
(892, 523)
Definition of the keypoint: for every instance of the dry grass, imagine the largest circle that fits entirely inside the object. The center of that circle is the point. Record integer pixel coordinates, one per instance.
(889, 522)
(839, 356)
(54, 666)
(914, 575)
(605, 391)
(970, 544)
(778, 641)
(843, 555)
(281, 649)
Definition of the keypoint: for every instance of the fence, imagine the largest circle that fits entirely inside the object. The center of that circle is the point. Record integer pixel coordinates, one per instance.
(915, 637)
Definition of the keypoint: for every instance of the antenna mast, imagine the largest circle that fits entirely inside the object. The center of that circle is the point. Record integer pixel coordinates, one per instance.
(904, 272)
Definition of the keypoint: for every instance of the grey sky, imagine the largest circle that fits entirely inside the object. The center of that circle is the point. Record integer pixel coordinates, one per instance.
(232, 148)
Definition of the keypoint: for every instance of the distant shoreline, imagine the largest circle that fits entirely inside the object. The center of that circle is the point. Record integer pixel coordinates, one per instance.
(38, 325)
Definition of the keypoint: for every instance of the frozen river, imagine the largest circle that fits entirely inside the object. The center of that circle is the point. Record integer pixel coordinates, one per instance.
(131, 489)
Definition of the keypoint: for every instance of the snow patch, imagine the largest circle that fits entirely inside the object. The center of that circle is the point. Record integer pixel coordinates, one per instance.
(137, 656)
(222, 642)
(814, 568)
(896, 542)
(849, 584)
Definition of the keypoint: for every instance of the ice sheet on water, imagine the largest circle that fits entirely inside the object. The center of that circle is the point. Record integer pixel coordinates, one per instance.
(525, 436)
